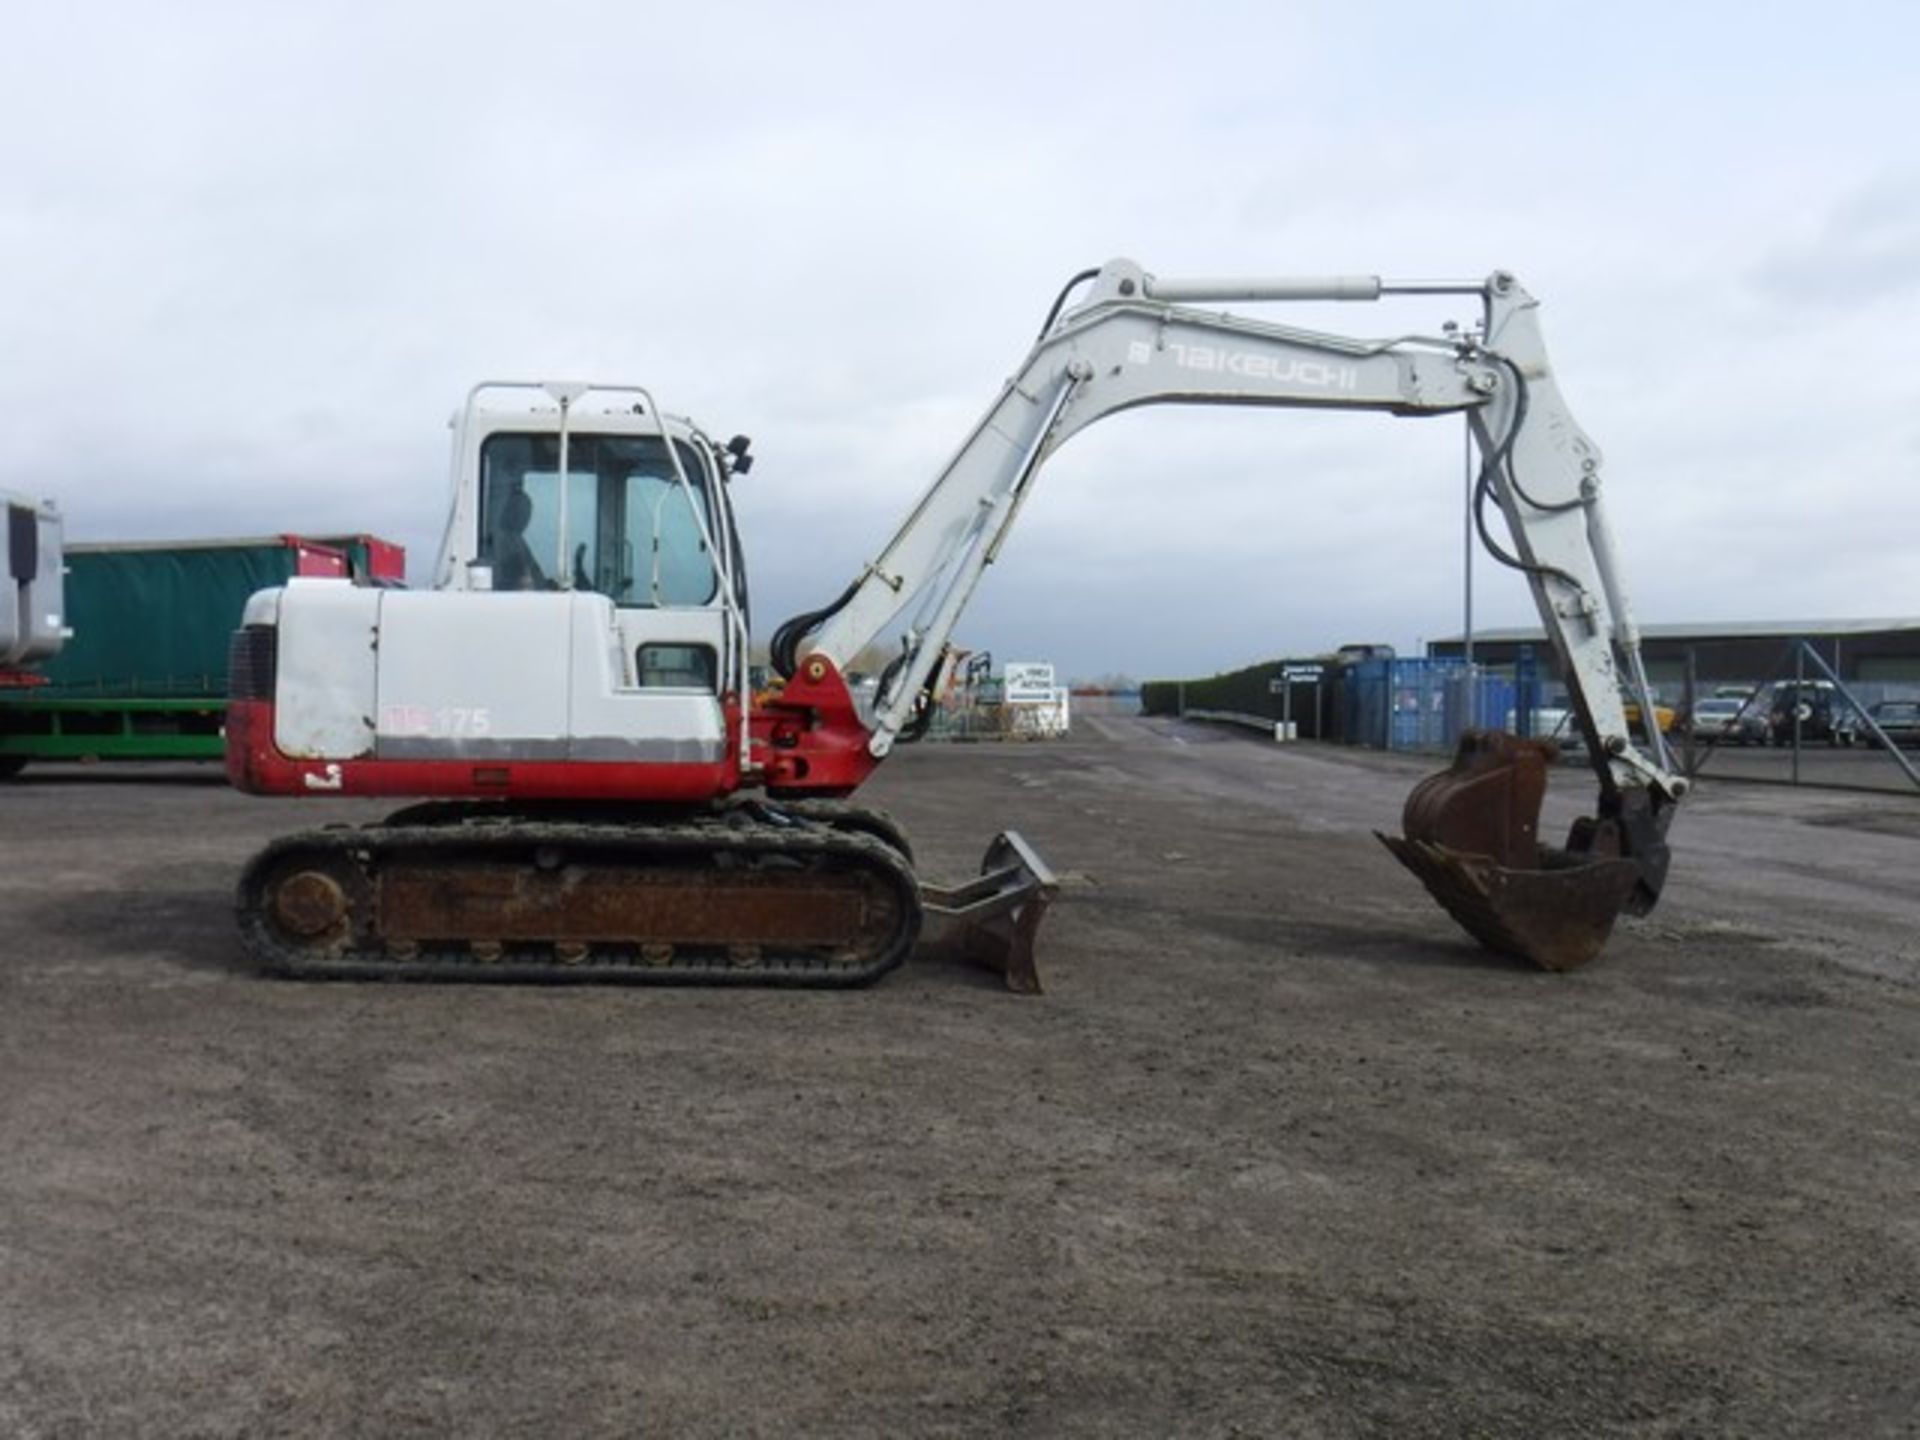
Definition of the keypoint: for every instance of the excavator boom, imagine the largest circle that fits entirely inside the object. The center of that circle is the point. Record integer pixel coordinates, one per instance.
(1137, 340)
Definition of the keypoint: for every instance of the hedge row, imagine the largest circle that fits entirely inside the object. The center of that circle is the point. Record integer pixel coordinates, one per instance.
(1242, 692)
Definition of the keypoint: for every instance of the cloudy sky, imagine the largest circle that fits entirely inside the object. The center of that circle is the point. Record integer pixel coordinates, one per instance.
(253, 254)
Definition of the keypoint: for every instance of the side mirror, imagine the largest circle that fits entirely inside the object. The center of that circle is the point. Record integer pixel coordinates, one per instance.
(739, 461)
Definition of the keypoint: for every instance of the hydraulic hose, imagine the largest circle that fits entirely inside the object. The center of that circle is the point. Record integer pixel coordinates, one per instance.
(1522, 400)
(1502, 459)
(783, 649)
(920, 720)
(1060, 301)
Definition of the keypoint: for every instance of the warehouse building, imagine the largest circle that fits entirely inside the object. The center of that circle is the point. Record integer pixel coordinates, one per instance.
(1867, 652)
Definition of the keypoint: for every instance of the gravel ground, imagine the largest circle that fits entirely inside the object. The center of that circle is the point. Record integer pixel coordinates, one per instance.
(1279, 1152)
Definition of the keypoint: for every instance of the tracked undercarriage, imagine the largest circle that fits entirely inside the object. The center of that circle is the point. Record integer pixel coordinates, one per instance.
(474, 894)
(811, 894)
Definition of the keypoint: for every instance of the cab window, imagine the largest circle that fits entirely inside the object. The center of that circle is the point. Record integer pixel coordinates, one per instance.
(633, 532)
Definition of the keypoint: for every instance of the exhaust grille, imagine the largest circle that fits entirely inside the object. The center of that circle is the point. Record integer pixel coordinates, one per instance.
(251, 662)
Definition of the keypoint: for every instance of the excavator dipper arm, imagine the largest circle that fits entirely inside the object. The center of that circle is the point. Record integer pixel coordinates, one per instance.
(1138, 340)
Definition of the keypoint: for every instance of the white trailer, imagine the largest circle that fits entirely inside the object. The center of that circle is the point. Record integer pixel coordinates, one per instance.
(32, 593)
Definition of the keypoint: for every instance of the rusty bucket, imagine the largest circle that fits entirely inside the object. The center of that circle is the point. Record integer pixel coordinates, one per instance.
(1472, 836)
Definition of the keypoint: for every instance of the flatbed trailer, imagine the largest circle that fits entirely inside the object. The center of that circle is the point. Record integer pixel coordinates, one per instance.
(38, 727)
(144, 674)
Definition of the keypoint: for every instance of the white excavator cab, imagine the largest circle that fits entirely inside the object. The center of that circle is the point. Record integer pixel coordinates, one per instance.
(609, 498)
(588, 611)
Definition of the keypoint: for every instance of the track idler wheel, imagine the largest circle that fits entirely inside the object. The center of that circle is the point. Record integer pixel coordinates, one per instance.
(1472, 836)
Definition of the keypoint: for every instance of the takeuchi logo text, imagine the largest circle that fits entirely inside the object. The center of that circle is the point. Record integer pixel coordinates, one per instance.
(1284, 370)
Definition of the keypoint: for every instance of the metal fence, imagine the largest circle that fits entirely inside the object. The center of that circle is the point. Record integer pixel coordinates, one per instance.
(1819, 730)
(1423, 704)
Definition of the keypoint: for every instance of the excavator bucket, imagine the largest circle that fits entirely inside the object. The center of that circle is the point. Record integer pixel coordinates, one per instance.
(992, 919)
(1472, 836)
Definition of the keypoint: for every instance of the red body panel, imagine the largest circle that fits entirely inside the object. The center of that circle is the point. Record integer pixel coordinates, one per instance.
(808, 742)
(255, 765)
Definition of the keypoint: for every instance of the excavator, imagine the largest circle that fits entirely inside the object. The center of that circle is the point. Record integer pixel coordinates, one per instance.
(598, 794)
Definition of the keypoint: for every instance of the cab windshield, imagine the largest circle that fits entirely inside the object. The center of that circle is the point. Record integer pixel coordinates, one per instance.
(632, 532)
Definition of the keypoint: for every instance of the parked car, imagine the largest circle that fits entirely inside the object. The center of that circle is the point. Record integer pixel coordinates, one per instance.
(1663, 715)
(1727, 721)
(1819, 709)
(1899, 721)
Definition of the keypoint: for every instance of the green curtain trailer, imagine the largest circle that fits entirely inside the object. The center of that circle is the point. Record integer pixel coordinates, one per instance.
(144, 675)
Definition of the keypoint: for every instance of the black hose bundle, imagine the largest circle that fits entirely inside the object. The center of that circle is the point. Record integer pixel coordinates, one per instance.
(1502, 457)
(783, 651)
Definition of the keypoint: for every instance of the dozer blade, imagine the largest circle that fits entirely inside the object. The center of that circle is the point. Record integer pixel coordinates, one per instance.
(1472, 836)
(993, 918)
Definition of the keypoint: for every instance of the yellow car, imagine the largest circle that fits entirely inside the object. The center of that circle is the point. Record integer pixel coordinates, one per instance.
(1664, 715)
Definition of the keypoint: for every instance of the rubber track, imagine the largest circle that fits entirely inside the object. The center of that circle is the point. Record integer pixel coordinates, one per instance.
(363, 848)
(843, 815)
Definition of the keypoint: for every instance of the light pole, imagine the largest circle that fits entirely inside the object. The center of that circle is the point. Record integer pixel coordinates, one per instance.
(1466, 338)
(1466, 567)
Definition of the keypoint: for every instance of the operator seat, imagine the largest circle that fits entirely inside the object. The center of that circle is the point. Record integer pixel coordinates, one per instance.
(514, 567)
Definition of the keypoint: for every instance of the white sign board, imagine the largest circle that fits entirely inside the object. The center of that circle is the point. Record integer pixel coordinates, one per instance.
(1028, 682)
